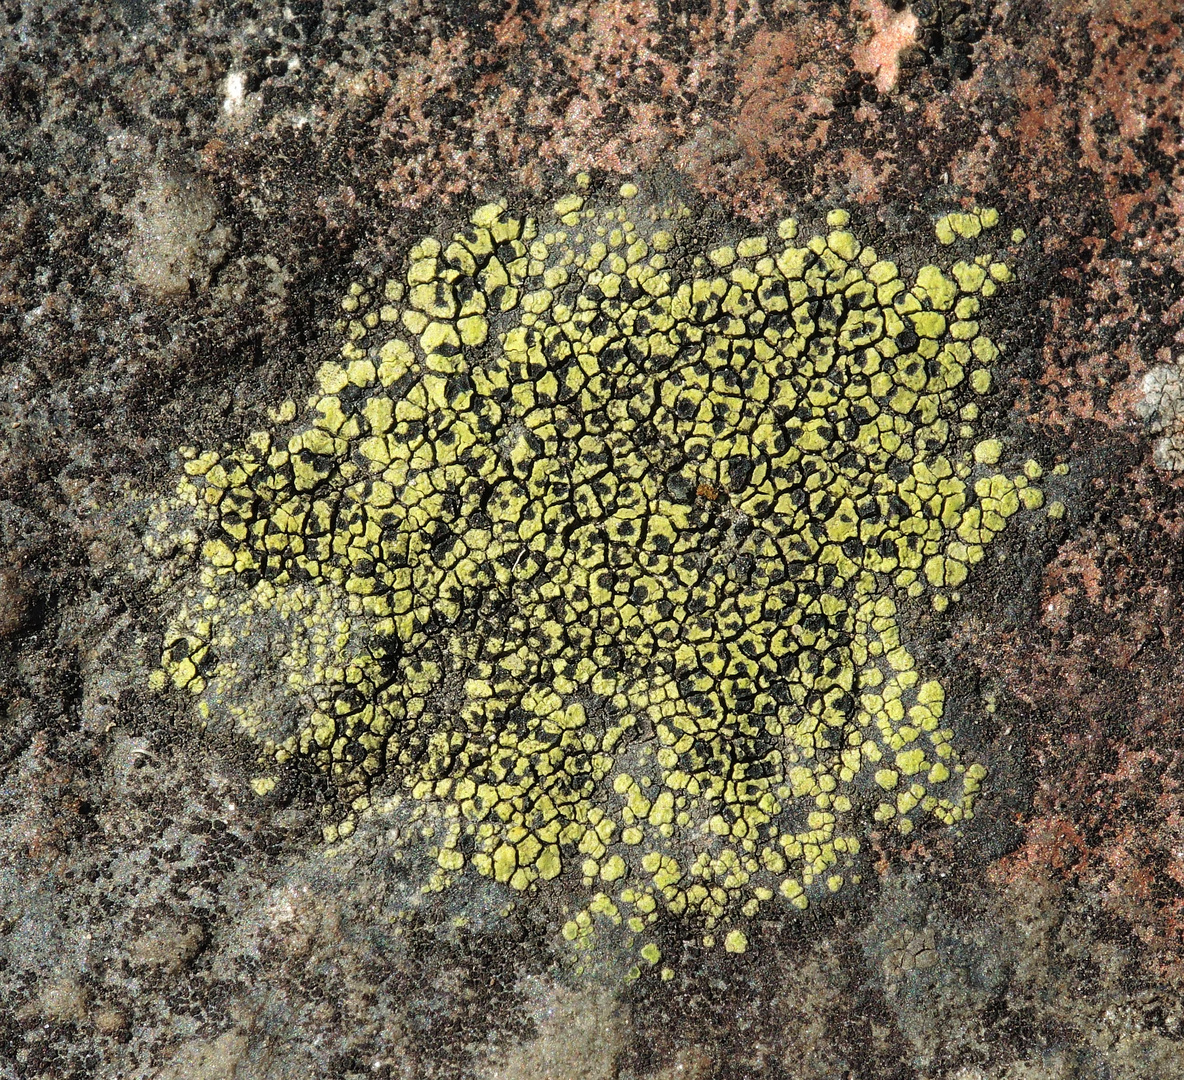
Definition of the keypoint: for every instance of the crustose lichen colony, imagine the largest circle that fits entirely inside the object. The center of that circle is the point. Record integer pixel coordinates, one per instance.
(589, 555)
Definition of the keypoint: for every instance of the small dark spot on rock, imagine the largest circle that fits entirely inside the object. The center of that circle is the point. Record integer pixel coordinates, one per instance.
(680, 487)
(907, 340)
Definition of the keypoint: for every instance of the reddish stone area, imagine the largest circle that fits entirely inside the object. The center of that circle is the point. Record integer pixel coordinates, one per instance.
(1102, 673)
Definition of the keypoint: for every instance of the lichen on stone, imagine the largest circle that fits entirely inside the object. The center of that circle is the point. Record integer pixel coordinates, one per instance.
(1162, 407)
(589, 555)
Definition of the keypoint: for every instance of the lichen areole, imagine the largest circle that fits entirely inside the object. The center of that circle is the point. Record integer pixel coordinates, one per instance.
(589, 555)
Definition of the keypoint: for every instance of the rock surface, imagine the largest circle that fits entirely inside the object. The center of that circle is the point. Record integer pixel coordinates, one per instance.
(188, 191)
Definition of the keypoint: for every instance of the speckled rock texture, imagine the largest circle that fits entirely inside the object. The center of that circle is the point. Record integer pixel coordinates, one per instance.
(187, 193)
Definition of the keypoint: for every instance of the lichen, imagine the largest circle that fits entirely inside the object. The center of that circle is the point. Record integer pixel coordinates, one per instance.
(1162, 407)
(589, 556)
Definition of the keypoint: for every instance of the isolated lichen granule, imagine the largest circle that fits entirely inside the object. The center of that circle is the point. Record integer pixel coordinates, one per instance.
(589, 554)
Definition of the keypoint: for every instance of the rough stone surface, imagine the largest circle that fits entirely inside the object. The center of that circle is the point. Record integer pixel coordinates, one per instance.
(188, 191)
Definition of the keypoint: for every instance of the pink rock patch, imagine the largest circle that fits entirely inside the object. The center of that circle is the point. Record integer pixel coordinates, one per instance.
(892, 33)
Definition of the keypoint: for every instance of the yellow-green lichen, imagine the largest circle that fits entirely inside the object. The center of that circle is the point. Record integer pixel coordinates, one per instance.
(590, 554)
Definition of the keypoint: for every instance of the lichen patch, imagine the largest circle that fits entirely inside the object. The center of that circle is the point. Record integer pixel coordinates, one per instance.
(590, 553)
(1162, 407)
